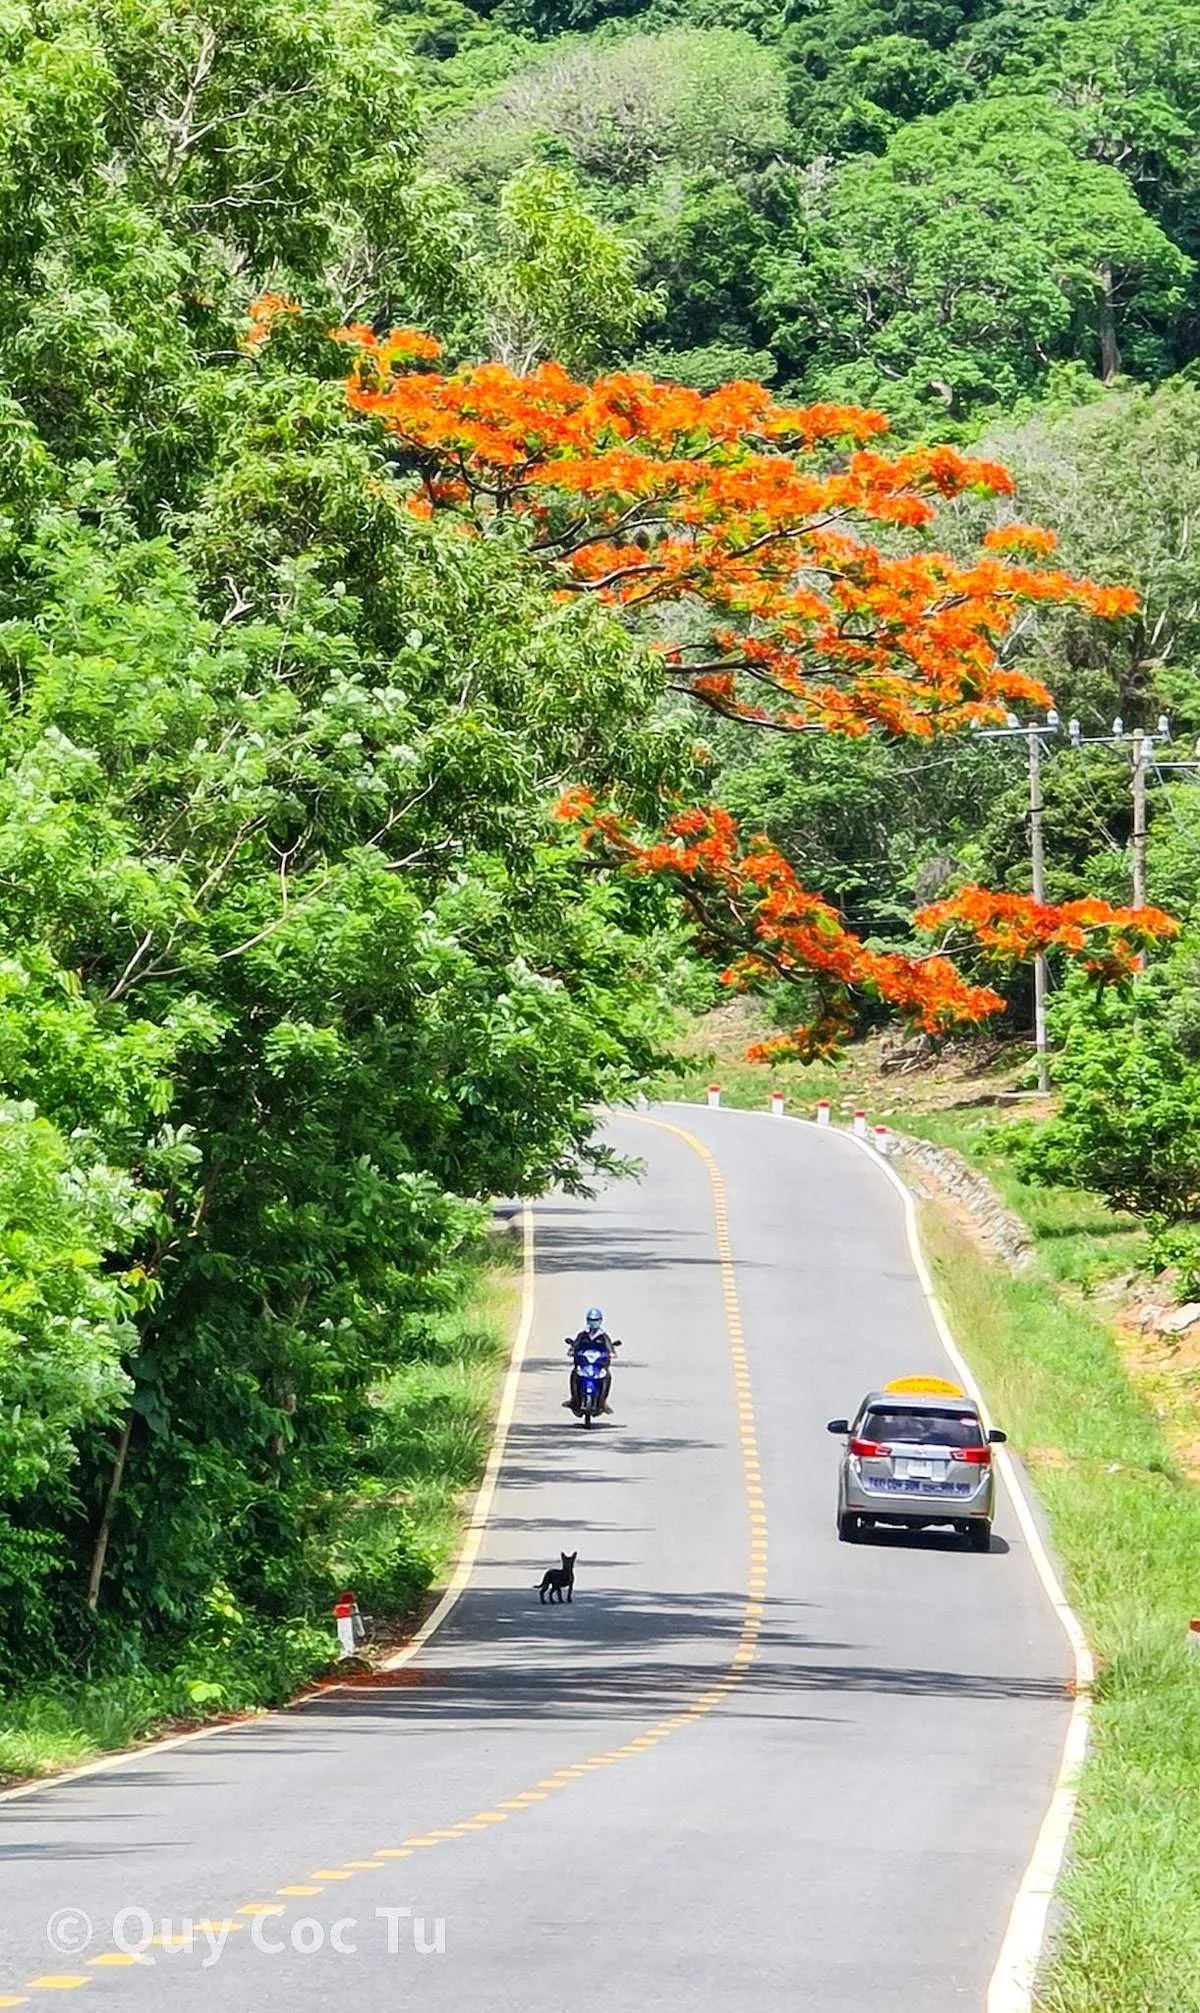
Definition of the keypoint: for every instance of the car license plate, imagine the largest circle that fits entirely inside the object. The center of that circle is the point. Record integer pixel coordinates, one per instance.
(921, 1471)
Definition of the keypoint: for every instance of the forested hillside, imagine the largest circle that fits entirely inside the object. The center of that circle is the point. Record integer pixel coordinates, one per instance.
(298, 967)
(947, 210)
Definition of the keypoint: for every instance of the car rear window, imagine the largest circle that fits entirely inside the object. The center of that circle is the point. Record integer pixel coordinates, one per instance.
(920, 1427)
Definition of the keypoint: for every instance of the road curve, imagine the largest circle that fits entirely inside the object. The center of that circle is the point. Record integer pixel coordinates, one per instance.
(840, 1824)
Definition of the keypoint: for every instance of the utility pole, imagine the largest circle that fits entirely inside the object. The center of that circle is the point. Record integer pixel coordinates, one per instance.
(1037, 848)
(1032, 736)
(1139, 819)
(1144, 746)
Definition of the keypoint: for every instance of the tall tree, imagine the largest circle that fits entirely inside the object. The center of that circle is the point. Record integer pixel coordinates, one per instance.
(952, 272)
(743, 528)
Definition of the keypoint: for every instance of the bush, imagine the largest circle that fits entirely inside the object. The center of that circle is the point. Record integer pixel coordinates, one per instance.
(1128, 1121)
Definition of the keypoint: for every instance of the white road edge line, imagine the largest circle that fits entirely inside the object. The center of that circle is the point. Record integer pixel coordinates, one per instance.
(1011, 1987)
(1012, 1983)
(462, 1573)
(482, 1507)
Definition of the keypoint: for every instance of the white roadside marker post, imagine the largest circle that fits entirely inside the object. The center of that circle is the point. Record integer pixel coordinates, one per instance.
(883, 1140)
(777, 1101)
(860, 1124)
(714, 1096)
(823, 1112)
(1193, 1636)
(343, 1614)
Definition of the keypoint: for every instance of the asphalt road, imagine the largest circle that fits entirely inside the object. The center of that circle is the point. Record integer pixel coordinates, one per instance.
(843, 1826)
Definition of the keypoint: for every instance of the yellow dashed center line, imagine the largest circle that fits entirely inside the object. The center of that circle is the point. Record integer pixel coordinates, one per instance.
(742, 1658)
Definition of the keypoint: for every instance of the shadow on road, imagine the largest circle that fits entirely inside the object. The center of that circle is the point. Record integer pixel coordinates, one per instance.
(926, 1541)
(585, 1246)
(627, 1692)
(618, 1655)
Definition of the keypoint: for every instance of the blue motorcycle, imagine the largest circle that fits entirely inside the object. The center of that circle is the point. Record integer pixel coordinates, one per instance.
(592, 1365)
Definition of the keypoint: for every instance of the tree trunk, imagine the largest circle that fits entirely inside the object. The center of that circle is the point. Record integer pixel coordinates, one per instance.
(1110, 354)
(100, 1550)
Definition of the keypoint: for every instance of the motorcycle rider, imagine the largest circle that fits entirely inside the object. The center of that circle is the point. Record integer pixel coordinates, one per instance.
(593, 1335)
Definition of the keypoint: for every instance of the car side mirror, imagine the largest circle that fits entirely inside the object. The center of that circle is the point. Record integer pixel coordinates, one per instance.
(838, 1426)
(996, 1437)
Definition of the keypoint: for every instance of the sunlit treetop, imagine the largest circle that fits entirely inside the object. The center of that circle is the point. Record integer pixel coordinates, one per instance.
(797, 544)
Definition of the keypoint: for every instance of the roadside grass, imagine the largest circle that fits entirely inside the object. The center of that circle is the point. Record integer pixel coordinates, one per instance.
(433, 1430)
(1126, 1526)
(65, 1723)
(711, 1049)
(390, 1537)
(1080, 1240)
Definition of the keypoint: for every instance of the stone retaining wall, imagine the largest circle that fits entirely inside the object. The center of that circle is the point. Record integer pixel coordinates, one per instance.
(940, 1172)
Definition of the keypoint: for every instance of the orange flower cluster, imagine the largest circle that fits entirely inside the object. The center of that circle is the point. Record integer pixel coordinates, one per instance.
(1011, 929)
(400, 346)
(763, 514)
(263, 315)
(1032, 539)
(747, 901)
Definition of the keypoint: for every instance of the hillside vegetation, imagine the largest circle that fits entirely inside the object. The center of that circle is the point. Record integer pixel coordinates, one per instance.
(299, 969)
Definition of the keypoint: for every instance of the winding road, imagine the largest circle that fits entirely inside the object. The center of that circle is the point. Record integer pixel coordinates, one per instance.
(748, 1769)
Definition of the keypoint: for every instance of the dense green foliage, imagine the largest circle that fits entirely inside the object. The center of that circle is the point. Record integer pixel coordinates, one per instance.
(945, 208)
(296, 969)
(975, 214)
(1128, 1121)
(1127, 1117)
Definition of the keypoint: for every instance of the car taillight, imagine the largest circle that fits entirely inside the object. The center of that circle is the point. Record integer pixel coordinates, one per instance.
(870, 1450)
(975, 1457)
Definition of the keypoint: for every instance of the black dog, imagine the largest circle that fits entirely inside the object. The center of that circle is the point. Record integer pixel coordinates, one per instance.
(554, 1579)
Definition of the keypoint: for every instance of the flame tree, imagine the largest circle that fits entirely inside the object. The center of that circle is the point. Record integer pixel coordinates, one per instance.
(780, 560)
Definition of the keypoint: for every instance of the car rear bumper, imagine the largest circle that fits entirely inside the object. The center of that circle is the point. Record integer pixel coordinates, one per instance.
(918, 1506)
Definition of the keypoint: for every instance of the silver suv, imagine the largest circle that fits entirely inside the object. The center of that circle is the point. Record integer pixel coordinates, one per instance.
(917, 1456)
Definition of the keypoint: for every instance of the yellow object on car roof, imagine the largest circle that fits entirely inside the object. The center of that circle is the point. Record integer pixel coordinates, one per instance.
(925, 1387)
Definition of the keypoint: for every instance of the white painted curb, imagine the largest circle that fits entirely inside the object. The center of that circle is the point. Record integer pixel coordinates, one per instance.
(1011, 1987)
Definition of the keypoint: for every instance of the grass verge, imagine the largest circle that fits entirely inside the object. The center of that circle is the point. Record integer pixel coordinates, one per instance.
(395, 1539)
(1126, 1527)
(1080, 1240)
(391, 1538)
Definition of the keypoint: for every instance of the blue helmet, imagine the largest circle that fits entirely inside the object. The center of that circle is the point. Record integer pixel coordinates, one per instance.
(595, 1317)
